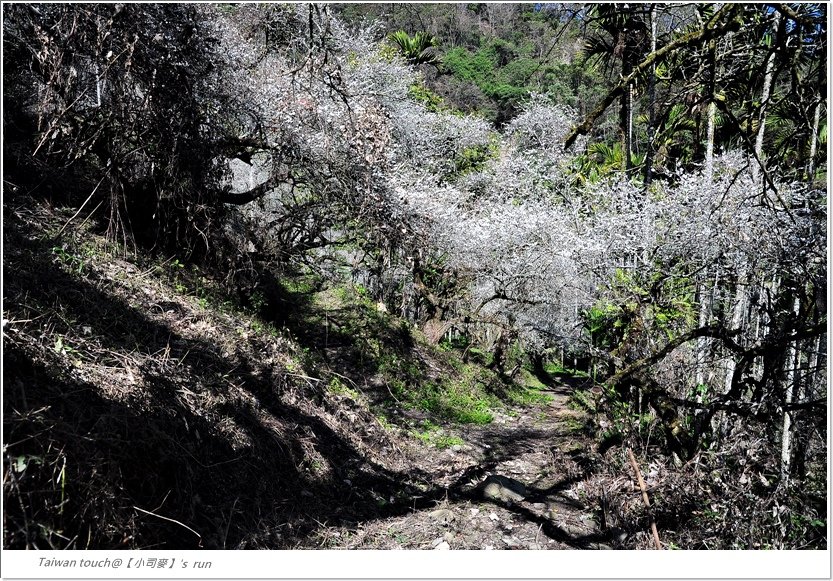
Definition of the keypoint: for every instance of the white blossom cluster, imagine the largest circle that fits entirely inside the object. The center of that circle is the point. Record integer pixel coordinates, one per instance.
(537, 249)
(541, 251)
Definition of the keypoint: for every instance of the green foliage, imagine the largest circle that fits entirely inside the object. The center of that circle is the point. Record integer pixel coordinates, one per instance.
(525, 395)
(475, 67)
(556, 370)
(525, 378)
(582, 400)
(398, 370)
(626, 418)
(495, 68)
(575, 84)
(258, 301)
(802, 526)
(417, 49)
(661, 303)
(573, 425)
(76, 264)
(454, 342)
(434, 435)
(643, 309)
(481, 357)
(459, 401)
(465, 399)
(454, 400)
(604, 321)
(63, 348)
(676, 135)
(337, 387)
(299, 286)
(387, 52)
(462, 397)
(600, 161)
(473, 159)
(422, 94)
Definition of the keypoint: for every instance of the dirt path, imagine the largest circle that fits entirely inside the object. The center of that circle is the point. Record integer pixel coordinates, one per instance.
(535, 460)
(258, 453)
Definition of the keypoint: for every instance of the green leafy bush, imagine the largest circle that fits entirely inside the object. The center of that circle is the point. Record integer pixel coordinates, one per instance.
(474, 158)
(495, 69)
(422, 94)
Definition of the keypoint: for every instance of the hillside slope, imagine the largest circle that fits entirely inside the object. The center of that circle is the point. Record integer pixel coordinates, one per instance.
(144, 409)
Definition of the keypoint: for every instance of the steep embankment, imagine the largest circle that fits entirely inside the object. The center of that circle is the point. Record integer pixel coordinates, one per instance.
(143, 408)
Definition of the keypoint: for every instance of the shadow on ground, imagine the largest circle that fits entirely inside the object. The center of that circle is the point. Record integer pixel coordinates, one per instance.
(184, 446)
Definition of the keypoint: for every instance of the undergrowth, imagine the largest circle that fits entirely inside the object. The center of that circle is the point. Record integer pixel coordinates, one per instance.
(146, 407)
(434, 435)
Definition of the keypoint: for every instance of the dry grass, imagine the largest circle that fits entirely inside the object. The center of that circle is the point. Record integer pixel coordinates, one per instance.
(139, 413)
(145, 409)
(134, 417)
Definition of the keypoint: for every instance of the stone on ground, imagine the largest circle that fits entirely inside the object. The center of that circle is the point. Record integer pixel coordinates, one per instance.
(504, 489)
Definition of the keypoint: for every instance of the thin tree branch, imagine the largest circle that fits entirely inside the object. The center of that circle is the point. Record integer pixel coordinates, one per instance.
(710, 31)
(714, 331)
(645, 498)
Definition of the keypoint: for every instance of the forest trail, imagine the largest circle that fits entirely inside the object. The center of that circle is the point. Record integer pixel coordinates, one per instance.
(520, 482)
(122, 363)
(134, 385)
(283, 275)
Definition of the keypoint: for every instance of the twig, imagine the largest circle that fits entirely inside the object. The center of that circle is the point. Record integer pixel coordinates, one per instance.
(15, 321)
(305, 377)
(163, 500)
(169, 520)
(645, 498)
(228, 523)
(344, 377)
(90, 215)
(92, 193)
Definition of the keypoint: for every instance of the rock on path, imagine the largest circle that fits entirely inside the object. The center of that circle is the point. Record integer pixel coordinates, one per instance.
(515, 484)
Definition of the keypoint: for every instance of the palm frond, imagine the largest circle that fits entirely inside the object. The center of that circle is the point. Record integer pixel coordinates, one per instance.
(419, 49)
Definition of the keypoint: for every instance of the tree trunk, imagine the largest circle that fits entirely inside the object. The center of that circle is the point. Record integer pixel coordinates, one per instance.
(808, 392)
(629, 58)
(652, 97)
(704, 302)
(538, 369)
(766, 93)
(814, 139)
(628, 127)
(711, 113)
(736, 321)
(790, 380)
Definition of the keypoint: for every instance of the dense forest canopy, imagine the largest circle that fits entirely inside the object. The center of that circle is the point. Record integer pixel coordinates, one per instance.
(634, 191)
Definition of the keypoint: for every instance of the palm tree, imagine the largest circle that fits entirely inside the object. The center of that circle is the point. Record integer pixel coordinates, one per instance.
(417, 50)
(621, 35)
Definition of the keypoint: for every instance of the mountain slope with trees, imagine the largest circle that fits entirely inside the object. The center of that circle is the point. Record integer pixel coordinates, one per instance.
(429, 212)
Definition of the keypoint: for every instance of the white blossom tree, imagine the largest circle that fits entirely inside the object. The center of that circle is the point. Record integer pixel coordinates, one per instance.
(696, 297)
